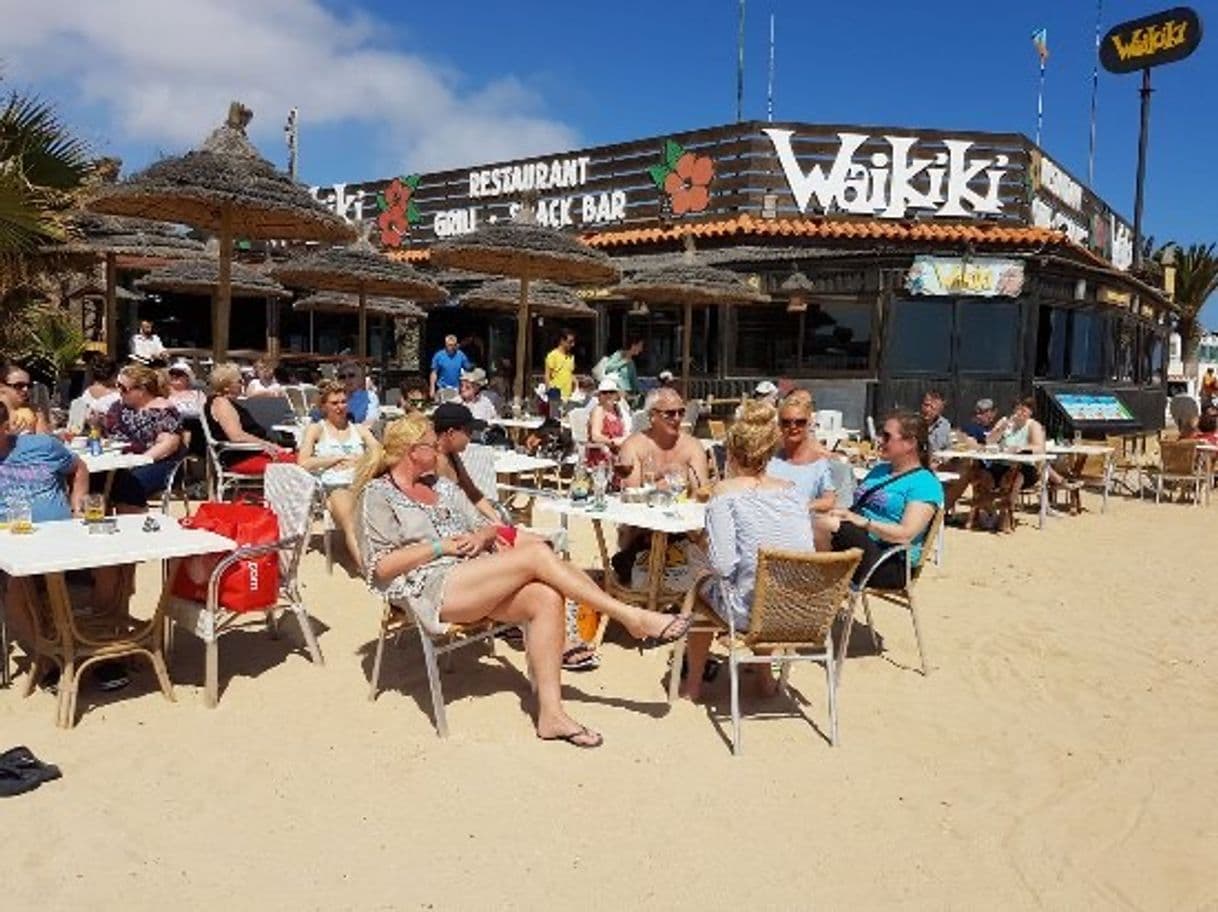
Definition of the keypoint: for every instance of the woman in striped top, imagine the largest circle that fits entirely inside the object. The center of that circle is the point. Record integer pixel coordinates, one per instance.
(748, 511)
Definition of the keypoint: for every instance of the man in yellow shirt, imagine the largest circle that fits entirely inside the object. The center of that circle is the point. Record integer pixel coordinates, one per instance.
(560, 365)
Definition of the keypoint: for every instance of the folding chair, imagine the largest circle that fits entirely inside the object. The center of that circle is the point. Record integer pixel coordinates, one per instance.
(903, 596)
(798, 598)
(291, 493)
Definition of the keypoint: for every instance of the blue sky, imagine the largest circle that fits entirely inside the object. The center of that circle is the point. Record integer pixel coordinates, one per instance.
(389, 87)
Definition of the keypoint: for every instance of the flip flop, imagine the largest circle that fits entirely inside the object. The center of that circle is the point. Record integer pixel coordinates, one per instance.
(673, 631)
(590, 662)
(21, 771)
(570, 737)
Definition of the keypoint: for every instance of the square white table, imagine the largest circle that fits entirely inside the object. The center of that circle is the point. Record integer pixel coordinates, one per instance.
(1083, 450)
(54, 548)
(1039, 460)
(113, 461)
(508, 462)
(682, 518)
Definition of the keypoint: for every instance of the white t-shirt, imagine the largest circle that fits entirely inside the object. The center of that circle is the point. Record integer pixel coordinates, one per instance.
(258, 388)
(147, 348)
(99, 405)
(482, 408)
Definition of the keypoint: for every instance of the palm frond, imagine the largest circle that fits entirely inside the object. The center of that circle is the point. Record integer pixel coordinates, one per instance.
(35, 143)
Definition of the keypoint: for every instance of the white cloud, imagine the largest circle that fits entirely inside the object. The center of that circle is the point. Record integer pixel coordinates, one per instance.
(164, 71)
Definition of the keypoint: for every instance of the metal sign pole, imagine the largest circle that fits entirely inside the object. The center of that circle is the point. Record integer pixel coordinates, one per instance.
(1140, 186)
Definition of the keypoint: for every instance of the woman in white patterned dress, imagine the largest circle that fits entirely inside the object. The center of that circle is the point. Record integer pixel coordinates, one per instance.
(427, 548)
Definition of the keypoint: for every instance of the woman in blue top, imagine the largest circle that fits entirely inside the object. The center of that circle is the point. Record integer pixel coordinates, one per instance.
(894, 504)
(800, 459)
(35, 467)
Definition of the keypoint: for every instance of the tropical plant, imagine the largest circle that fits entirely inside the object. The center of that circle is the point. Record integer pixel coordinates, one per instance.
(43, 167)
(1196, 279)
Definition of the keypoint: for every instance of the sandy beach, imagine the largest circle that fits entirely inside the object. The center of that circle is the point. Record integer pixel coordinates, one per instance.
(1061, 756)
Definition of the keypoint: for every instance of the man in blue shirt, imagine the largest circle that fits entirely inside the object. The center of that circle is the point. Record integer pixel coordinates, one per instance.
(446, 366)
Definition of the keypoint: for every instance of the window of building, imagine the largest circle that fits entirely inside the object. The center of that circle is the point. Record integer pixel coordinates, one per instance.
(1087, 335)
(1051, 342)
(919, 336)
(829, 336)
(837, 336)
(988, 332)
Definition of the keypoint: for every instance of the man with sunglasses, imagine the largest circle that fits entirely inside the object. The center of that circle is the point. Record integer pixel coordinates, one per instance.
(362, 404)
(660, 449)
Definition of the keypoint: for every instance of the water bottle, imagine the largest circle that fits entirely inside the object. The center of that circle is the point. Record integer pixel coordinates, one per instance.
(581, 483)
(94, 444)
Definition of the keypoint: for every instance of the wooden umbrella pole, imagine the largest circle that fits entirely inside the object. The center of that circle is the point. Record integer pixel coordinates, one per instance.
(385, 345)
(111, 315)
(685, 348)
(522, 335)
(224, 292)
(361, 347)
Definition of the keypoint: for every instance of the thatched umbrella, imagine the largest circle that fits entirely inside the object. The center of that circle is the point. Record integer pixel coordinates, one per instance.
(226, 187)
(546, 298)
(359, 270)
(92, 237)
(528, 252)
(340, 303)
(691, 285)
(202, 277)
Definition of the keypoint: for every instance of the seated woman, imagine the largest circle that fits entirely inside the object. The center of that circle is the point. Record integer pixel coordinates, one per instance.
(23, 418)
(893, 505)
(1017, 433)
(606, 429)
(230, 422)
(331, 449)
(151, 425)
(102, 393)
(182, 393)
(751, 509)
(800, 458)
(428, 550)
(265, 381)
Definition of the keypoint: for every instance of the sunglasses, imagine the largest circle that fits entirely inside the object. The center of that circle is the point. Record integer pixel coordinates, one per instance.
(885, 436)
(20, 385)
(793, 422)
(124, 388)
(670, 414)
(348, 376)
(416, 400)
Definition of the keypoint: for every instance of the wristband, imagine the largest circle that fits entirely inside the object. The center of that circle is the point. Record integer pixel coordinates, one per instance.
(437, 549)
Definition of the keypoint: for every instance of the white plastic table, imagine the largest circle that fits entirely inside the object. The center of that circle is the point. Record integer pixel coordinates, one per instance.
(508, 462)
(54, 548)
(1039, 460)
(113, 461)
(1090, 449)
(518, 424)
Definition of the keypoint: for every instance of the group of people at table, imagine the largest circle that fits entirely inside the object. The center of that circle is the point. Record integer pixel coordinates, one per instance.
(430, 541)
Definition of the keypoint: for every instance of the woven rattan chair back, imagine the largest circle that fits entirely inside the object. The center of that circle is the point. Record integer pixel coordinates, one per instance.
(798, 595)
(291, 493)
(718, 429)
(933, 531)
(1178, 457)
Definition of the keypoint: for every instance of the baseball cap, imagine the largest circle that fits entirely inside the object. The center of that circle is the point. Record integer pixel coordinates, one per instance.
(181, 367)
(451, 415)
(765, 388)
(985, 405)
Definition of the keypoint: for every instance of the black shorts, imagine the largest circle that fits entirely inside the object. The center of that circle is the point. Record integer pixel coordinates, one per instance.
(998, 471)
(890, 575)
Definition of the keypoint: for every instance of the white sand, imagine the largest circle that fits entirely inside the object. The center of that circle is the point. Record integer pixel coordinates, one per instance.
(1061, 755)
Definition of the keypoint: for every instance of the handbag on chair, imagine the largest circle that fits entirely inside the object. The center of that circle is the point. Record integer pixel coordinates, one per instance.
(248, 585)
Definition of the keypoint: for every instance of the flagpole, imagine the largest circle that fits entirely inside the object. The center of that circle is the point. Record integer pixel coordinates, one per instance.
(769, 94)
(1095, 88)
(1040, 101)
(740, 65)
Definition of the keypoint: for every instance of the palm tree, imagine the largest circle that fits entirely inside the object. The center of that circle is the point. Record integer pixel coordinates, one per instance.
(1196, 279)
(43, 167)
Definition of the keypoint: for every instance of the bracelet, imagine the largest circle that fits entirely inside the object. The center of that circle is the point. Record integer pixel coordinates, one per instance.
(867, 528)
(437, 548)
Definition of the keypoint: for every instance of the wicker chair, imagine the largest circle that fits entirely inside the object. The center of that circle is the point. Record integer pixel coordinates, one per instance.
(798, 597)
(905, 595)
(396, 620)
(1178, 467)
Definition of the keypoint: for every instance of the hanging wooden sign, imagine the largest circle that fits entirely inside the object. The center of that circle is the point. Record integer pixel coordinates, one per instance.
(1151, 41)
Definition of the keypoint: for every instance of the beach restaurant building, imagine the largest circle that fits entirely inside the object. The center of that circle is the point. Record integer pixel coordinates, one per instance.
(912, 259)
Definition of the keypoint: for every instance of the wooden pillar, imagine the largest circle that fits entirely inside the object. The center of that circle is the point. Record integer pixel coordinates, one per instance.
(110, 317)
(222, 308)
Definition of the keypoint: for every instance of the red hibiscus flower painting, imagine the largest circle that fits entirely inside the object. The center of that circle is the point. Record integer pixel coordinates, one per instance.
(398, 210)
(685, 178)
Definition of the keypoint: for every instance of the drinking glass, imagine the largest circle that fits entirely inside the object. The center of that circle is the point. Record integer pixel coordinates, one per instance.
(21, 517)
(95, 508)
(649, 472)
(600, 484)
(677, 482)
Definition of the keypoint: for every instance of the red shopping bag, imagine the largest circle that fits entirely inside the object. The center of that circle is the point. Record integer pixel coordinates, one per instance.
(248, 585)
(257, 463)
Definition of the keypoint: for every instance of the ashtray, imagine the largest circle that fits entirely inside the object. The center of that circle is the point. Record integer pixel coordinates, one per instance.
(103, 526)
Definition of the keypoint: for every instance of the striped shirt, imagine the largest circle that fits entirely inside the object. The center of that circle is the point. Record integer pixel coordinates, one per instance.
(738, 524)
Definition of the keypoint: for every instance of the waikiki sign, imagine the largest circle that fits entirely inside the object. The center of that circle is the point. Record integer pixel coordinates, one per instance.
(896, 181)
(1151, 41)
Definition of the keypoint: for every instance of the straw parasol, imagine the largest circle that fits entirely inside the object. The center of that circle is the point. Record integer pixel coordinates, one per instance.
(202, 277)
(226, 187)
(691, 285)
(338, 302)
(360, 270)
(528, 252)
(93, 237)
(546, 298)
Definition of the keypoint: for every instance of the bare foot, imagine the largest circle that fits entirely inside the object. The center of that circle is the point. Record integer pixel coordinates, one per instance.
(563, 728)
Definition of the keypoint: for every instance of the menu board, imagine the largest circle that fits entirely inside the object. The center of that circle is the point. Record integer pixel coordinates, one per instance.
(1093, 407)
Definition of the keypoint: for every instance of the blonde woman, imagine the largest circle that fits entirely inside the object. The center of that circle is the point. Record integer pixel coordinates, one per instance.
(331, 450)
(427, 548)
(800, 458)
(230, 422)
(151, 425)
(749, 510)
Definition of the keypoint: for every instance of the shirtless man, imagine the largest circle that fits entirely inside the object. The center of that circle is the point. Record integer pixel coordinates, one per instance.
(663, 447)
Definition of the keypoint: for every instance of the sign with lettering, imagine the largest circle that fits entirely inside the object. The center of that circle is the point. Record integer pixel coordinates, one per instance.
(979, 276)
(891, 183)
(1151, 41)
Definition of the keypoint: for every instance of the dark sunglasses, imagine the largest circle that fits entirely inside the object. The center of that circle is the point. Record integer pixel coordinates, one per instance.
(416, 400)
(19, 385)
(349, 375)
(793, 422)
(885, 436)
(668, 413)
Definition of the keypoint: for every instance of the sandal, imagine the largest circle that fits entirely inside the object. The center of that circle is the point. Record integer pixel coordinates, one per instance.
(581, 732)
(675, 629)
(589, 661)
(21, 771)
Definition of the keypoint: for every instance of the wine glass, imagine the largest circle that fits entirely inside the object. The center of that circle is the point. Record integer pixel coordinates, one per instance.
(678, 481)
